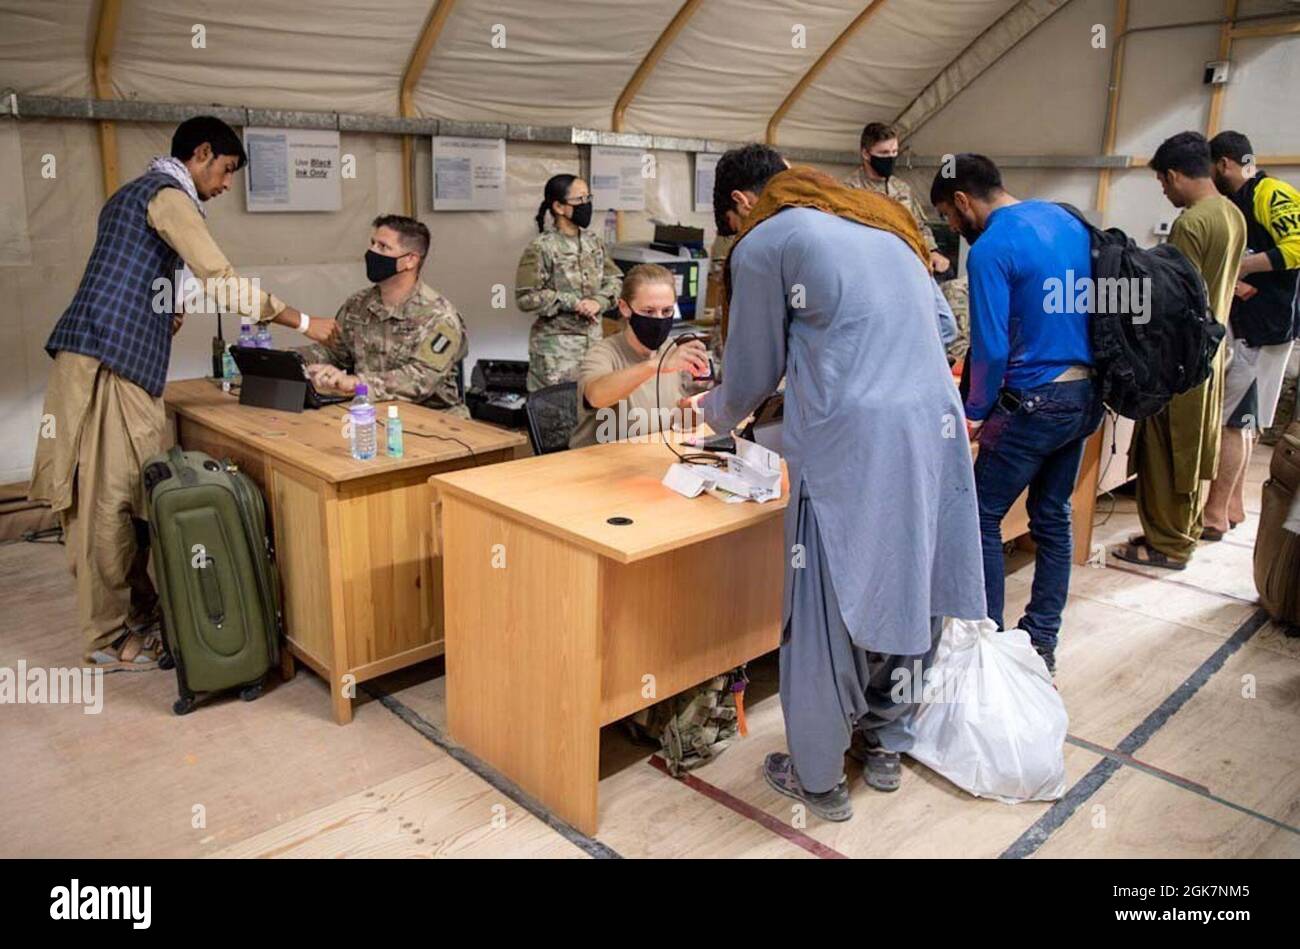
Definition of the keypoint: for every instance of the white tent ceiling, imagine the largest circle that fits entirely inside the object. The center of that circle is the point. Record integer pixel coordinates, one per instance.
(563, 63)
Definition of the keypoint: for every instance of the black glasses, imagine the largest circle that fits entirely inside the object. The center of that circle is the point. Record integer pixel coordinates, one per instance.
(577, 202)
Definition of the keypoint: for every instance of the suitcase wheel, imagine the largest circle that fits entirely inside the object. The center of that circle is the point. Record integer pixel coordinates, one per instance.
(165, 661)
(249, 693)
(183, 706)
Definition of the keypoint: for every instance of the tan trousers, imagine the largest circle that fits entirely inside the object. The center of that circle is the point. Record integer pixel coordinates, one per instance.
(97, 431)
(1171, 519)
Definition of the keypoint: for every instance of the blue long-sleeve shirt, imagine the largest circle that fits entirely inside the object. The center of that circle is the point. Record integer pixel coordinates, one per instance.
(1024, 288)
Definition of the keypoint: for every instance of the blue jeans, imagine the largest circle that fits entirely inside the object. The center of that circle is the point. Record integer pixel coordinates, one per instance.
(1037, 445)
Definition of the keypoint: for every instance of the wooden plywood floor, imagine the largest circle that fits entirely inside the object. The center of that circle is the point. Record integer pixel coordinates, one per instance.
(1182, 743)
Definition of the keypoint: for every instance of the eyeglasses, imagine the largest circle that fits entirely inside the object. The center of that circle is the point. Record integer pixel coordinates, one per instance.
(578, 202)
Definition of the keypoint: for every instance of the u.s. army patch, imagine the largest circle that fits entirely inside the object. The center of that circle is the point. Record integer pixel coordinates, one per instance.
(440, 348)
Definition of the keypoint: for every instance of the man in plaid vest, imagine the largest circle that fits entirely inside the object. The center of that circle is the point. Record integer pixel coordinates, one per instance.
(103, 412)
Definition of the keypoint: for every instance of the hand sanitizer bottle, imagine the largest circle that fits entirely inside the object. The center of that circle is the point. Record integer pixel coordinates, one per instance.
(395, 448)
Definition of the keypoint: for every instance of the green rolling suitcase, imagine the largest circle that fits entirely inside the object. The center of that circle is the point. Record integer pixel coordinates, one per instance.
(214, 565)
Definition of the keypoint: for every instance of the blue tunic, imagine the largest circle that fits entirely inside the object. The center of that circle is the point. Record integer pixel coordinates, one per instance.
(874, 429)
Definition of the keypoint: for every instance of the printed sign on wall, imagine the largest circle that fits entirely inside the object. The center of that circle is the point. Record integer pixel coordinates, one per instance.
(292, 170)
(469, 174)
(618, 178)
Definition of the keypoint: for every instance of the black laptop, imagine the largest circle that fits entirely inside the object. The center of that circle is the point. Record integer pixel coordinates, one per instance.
(277, 379)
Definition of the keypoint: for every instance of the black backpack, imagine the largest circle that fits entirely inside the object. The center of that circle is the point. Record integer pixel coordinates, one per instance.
(1141, 364)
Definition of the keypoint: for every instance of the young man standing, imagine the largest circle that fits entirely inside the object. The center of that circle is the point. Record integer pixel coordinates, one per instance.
(830, 288)
(1031, 404)
(1264, 322)
(1176, 449)
(103, 414)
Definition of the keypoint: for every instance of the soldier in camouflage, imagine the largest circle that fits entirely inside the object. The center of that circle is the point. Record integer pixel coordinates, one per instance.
(401, 338)
(568, 280)
(876, 173)
(957, 293)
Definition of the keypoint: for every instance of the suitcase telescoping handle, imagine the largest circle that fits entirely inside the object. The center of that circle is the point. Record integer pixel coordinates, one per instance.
(182, 470)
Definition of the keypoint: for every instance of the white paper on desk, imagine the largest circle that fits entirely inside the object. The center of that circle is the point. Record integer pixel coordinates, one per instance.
(753, 473)
(686, 480)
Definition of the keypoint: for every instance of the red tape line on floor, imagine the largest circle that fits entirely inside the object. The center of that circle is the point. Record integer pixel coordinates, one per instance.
(744, 809)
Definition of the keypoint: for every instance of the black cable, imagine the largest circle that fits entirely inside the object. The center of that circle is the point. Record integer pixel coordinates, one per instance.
(1114, 500)
(445, 438)
(696, 457)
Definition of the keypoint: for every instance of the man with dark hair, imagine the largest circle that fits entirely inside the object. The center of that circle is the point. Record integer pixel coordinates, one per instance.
(881, 533)
(193, 133)
(1177, 449)
(1264, 322)
(400, 337)
(1031, 404)
(739, 179)
(103, 414)
(879, 150)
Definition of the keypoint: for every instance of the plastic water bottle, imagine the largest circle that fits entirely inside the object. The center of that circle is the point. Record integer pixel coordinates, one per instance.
(362, 414)
(228, 370)
(394, 431)
(264, 340)
(246, 337)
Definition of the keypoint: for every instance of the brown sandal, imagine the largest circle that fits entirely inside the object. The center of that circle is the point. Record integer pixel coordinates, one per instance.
(1133, 553)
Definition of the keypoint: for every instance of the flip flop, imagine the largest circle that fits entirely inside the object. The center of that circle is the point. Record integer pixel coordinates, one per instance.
(1132, 553)
(131, 652)
(1211, 534)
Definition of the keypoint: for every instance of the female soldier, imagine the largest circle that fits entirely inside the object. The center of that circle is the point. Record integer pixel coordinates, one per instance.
(568, 280)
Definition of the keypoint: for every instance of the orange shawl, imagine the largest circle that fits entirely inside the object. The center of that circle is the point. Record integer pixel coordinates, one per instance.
(803, 187)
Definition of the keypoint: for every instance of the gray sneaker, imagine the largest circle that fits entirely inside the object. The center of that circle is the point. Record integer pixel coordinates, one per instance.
(881, 769)
(832, 805)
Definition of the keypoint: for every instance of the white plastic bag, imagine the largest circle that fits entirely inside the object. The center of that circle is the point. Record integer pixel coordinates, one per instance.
(990, 721)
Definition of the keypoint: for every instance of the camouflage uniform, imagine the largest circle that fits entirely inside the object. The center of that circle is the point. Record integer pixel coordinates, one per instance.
(555, 272)
(410, 352)
(898, 189)
(957, 293)
(696, 726)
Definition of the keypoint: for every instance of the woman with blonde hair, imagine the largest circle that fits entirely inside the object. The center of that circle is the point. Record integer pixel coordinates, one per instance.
(618, 378)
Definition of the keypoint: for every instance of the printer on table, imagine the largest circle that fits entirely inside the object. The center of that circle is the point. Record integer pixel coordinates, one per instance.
(497, 392)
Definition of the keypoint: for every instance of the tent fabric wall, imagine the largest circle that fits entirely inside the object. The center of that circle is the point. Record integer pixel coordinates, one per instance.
(901, 48)
(721, 78)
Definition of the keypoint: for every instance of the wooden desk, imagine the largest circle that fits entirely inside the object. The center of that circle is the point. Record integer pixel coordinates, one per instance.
(559, 622)
(362, 587)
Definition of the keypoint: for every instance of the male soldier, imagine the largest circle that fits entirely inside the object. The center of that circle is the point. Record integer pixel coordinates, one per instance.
(957, 293)
(402, 339)
(103, 403)
(879, 147)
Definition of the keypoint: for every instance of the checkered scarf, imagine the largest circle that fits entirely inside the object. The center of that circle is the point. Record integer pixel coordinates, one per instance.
(176, 168)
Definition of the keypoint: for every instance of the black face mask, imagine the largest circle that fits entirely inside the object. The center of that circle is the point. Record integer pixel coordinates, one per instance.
(650, 331)
(582, 214)
(883, 166)
(380, 267)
